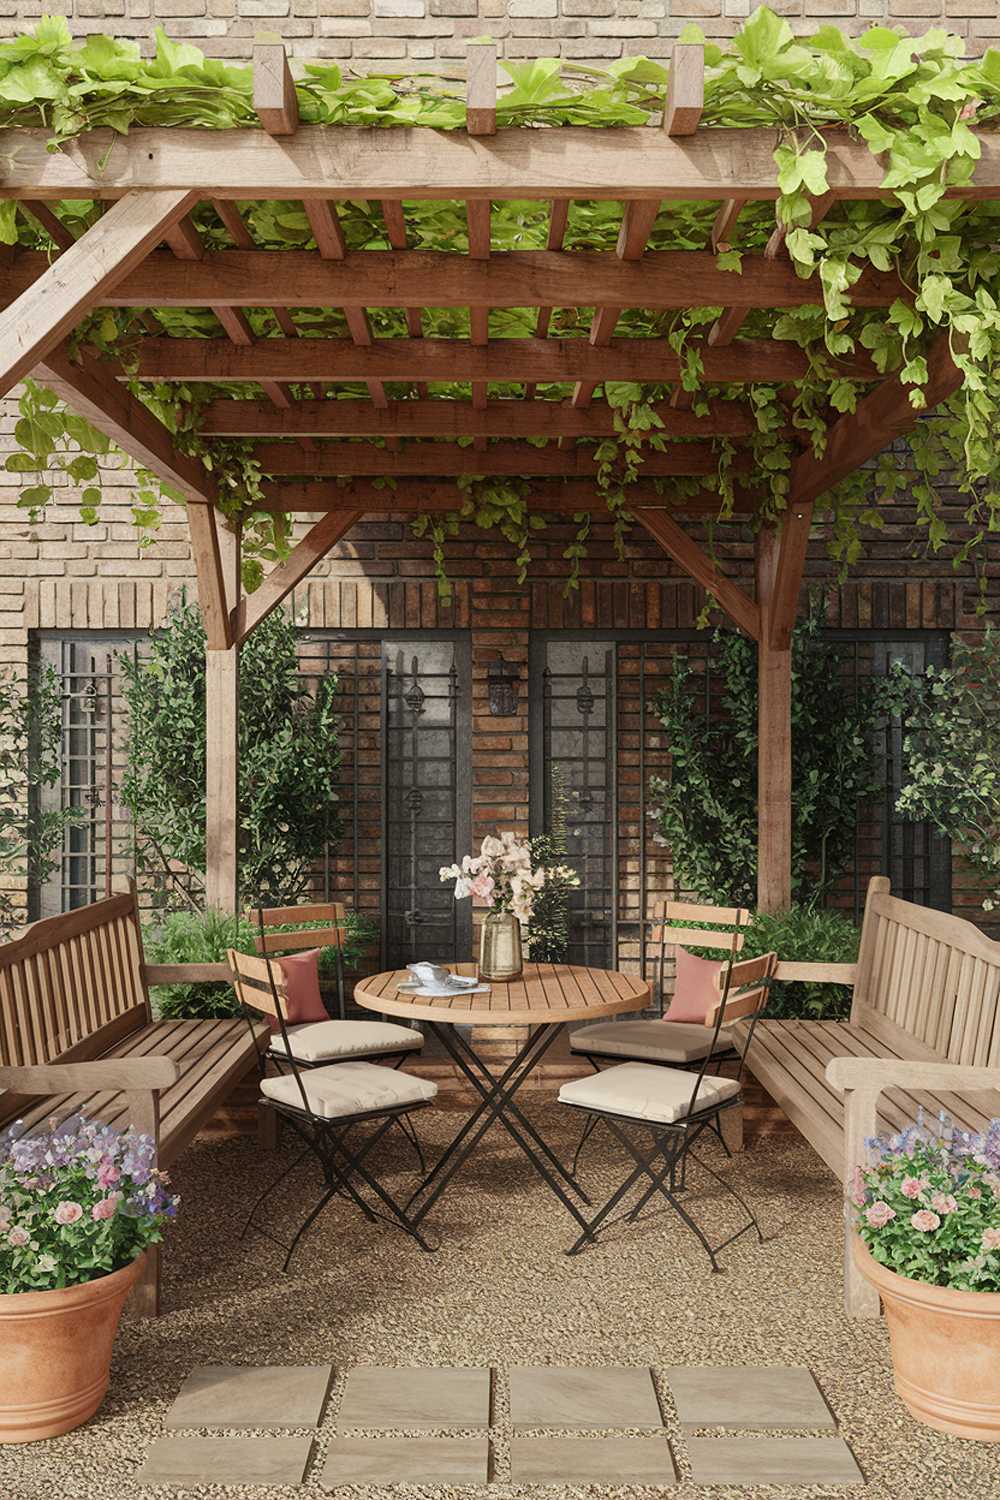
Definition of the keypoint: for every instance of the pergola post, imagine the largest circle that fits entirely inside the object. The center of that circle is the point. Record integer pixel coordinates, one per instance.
(774, 739)
(222, 749)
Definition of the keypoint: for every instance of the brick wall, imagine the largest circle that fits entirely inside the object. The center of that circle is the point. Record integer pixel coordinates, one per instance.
(370, 33)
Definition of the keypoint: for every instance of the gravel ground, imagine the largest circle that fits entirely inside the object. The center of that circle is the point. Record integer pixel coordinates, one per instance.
(501, 1292)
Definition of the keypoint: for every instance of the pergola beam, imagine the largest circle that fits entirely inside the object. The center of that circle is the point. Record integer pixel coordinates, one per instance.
(207, 554)
(557, 497)
(686, 551)
(308, 457)
(662, 280)
(685, 89)
(523, 360)
(443, 418)
(316, 543)
(44, 312)
(349, 162)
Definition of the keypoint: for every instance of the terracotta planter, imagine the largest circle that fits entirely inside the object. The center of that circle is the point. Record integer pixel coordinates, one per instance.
(945, 1350)
(57, 1354)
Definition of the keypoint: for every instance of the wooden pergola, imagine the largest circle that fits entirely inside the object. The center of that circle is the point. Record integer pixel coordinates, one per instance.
(146, 252)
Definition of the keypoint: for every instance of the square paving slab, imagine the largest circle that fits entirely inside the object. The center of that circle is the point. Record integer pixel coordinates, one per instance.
(249, 1396)
(750, 1461)
(411, 1461)
(604, 1396)
(221, 1460)
(740, 1396)
(609, 1460)
(416, 1397)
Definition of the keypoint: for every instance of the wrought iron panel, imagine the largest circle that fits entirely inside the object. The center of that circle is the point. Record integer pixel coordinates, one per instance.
(574, 681)
(427, 771)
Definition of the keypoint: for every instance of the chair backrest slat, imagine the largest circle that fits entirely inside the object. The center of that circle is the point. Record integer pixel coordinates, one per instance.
(258, 982)
(748, 989)
(325, 927)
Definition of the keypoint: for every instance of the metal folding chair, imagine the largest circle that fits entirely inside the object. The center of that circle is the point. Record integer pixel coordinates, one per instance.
(676, 1108)
(668, 1044)
(322, 1104)
(319, 1043)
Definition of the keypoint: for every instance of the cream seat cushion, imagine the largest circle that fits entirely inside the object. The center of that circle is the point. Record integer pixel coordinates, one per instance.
(642, 1091)
(325, 1041)
(350, 1088)
(650, 1041)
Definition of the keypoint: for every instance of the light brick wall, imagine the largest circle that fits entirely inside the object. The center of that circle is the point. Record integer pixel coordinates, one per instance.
(370, 33)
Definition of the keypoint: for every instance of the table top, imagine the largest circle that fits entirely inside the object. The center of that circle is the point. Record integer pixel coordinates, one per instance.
(544, 994)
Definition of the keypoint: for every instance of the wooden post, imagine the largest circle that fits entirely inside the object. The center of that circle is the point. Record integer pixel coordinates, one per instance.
(222, 706)
(774, 742)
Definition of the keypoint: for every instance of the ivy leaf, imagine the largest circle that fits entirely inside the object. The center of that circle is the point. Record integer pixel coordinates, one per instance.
(730, 260)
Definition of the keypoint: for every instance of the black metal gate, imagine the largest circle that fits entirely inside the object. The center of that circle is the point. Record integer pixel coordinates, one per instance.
(427, 771)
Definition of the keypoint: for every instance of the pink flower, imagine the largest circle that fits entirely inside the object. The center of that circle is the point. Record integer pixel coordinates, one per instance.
(482, 888)
(944, 1203)
(68, 1213)
(18, 1237)
(975, 1192)
(991, 1239)
(879, 1214)
(4, 1217)
(858, 1192)
(925, 1220)
(912, 1187)
(108, 1175)
(106, 1208)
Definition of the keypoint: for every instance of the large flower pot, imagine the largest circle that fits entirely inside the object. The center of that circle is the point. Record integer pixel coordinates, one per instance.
(55, 1354)
(945, 1350)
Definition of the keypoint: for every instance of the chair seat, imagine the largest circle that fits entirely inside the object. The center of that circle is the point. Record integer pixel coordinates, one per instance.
(650, 1041)
(642, 1091)
(325, 1041)
(350, 1088)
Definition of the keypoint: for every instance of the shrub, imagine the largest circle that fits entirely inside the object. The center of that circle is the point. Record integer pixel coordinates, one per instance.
(31, 837)
(289, 758)
(706, 813)
(77, 1202)
(927, 1205)
(804, 935)
(189, 937)
(951, 752)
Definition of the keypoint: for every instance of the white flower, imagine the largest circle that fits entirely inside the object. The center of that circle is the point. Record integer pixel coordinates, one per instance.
(492, 848)
(46, 1265)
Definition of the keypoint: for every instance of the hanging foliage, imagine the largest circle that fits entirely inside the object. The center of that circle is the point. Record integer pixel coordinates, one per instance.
(913, 100)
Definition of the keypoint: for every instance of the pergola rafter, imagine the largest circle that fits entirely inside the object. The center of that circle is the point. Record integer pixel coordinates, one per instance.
(310, 435)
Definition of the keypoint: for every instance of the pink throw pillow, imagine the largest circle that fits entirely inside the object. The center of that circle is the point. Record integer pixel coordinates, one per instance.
(695, 991)
(301, 975)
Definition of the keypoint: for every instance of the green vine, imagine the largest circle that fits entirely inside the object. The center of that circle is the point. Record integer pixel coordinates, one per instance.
(913, 100)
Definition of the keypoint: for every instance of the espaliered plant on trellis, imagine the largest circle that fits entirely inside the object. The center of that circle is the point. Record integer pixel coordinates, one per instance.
(717, 289)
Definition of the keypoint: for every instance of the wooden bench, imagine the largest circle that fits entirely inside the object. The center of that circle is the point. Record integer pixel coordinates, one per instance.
(73, 997)
(924, 1032)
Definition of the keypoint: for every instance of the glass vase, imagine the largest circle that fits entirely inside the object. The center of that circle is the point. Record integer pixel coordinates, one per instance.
(500, 946)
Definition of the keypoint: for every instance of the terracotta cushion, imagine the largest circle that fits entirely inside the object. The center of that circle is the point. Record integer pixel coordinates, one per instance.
(301, 975)
(695, 990)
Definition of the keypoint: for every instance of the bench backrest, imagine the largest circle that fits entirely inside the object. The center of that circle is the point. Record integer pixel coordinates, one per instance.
(71, 986)
(931, 977)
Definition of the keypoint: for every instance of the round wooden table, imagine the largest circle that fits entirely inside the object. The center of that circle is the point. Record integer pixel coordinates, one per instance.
(544, 999)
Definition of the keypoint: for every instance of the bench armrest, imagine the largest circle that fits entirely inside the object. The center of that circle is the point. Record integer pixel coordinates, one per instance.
(867, 1074)
(141, 1079)
(816, 973)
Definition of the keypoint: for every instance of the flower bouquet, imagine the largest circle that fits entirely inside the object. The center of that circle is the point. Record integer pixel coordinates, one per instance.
(502, 877)
(80, 1204)
(926, 1208)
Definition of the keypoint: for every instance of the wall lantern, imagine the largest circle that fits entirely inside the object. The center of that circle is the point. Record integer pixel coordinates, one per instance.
(502, 678)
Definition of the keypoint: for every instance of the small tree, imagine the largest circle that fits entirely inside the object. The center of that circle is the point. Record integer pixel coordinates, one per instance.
(951, 752)
(31, 836)
(289, 758)
(706, 812)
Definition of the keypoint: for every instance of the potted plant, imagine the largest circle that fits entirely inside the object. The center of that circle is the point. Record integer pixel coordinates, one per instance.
(927, 1214)
(80, 1204)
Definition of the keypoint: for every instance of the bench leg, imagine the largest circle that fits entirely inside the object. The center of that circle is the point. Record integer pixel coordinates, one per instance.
(731, 1125)
(267, 1128)
(146, 1295)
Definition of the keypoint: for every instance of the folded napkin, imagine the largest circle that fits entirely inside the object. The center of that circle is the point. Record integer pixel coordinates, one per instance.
(435, 977)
